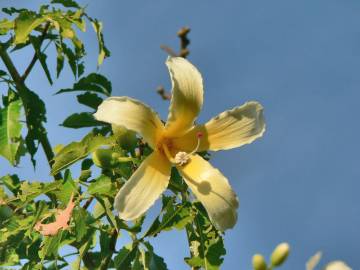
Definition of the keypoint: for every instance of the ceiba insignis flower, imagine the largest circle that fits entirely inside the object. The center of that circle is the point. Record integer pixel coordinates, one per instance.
(176, 144)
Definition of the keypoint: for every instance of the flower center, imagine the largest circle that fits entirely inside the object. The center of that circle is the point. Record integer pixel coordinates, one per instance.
(181, 158)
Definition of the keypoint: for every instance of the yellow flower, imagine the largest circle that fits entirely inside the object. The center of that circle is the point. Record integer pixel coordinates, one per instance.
(176, 144)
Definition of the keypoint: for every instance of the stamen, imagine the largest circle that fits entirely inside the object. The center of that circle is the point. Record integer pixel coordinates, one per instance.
(181, 158)
(199, 135)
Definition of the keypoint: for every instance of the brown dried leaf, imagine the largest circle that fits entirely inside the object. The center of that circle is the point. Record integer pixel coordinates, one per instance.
(61, 220)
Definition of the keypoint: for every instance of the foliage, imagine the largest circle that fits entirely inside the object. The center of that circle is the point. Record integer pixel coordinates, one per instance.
(93, 229)
(26, 205)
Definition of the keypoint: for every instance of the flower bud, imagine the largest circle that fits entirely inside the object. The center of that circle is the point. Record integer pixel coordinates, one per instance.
(280, 254)
(124, 137)
(258, 262)
(105, 158)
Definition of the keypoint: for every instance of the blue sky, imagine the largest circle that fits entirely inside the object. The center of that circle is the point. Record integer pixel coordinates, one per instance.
(300, 59)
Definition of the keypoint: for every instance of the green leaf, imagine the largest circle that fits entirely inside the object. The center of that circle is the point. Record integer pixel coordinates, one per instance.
(5, 213)
(78, 150)
(41, 56)
(12, 182)
(85, 175)
(151, 261)
(68, 187)
(94, 82)
(36, 115)
(5, 26)
(92, 260)
(11, 10)
(90, 99)
(82, 221)
(30, 191)
(207, 244)
(103, 51)
(25, 23)
(81, 120)
(66, 3)
(88, 242)
(107, 206)
(71, 57)
(125, 256)
(172, 216)
(59, 59)
(8, 257)
(10, 131)
(102, 186)
(2, 73)
(50, 246)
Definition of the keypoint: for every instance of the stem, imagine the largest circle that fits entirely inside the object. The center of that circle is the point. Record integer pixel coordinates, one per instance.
(88, 202)
(35, 57)
(23, 92)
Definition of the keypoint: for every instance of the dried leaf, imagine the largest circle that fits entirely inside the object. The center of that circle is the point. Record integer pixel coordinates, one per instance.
(61, 221)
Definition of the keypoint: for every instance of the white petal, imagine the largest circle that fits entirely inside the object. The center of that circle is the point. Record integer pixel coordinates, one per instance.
(143, 188)
(133, 115)
(213, 190)
(187, 96)
(337, 265)
(230, 129)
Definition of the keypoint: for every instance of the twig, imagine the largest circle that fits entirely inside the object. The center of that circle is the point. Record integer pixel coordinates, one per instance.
(184, 52)
(164, 95)
(87, 203)
(184, 41)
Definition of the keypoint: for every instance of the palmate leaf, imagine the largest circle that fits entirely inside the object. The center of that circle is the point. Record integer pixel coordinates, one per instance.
(78, 150)
(10, 131)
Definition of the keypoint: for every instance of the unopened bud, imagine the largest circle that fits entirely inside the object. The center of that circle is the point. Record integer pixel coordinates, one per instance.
(258, 262)
(125, 138)
(280, 254)
(105, 158)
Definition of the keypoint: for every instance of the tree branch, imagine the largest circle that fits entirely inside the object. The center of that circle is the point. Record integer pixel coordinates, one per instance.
(23, 91)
